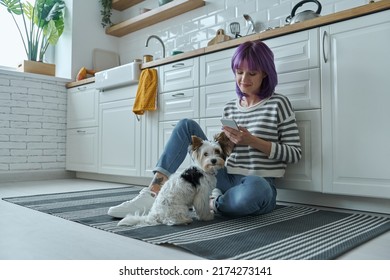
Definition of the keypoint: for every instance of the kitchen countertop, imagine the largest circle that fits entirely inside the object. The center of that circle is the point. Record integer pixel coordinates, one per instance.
(276, 32)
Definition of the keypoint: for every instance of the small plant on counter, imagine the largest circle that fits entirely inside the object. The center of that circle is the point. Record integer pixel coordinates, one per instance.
(43, 24)
(105, 12)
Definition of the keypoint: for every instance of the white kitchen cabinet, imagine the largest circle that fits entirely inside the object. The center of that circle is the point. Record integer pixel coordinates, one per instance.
(296, 52)
(120, 141)
(306, 174)
(356, 115)
(303, 88)
(213, 99)
(82, 107)
(127, 146)
(179, 75)
(82, 129)
(215, 68)
(81, 149)
(179, 104)
(298, 67)
(149, 143)
(180, 99)
(297, 63)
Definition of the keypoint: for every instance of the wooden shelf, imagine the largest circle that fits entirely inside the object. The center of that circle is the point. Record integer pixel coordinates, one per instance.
(121, 5)
(167, 11)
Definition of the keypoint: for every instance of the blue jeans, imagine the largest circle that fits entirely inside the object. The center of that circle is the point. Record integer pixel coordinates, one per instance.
(242, 195)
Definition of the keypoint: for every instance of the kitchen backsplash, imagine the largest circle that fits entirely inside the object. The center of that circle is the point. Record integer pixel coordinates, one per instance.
(194, 29)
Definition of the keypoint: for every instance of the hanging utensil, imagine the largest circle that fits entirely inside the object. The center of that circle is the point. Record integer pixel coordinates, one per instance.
(249, 20)
(235, 29)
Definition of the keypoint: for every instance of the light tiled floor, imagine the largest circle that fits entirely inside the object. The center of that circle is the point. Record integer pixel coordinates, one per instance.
(28, 234)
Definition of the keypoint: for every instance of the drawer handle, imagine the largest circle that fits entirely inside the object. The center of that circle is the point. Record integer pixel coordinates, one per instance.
(81, 131)
(82, 88)
(323, 47)
(179, 94)
(178, 65)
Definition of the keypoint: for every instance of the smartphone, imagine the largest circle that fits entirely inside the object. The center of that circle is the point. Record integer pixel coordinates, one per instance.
(230, 123)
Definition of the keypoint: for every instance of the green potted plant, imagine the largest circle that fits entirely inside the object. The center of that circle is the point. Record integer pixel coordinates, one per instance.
(105, 12)
(43, 24)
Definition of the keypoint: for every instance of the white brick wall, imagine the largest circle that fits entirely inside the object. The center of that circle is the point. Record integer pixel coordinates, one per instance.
(32, 123)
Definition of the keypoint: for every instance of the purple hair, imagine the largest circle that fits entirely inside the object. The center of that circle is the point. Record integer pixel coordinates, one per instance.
(259, 58)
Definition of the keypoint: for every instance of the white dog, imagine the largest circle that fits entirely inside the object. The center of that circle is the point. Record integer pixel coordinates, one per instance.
(191, 188)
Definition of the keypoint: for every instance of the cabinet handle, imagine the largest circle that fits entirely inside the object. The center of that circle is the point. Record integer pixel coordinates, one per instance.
(324, 35)
(81, 131)
(179, 94)
(177, 65)
(82, 88)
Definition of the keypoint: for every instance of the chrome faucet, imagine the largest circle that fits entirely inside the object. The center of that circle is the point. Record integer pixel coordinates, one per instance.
(159, 39)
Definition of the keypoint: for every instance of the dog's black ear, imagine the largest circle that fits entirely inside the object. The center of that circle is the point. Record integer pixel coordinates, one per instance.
(224, 142)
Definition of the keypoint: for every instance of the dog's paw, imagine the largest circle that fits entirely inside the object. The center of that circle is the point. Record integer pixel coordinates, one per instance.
(207, 217)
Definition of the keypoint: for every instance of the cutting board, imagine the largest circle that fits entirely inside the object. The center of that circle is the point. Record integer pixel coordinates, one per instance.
(220, 37)
(103, 59)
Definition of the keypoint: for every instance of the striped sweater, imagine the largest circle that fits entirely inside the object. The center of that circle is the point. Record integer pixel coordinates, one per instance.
(272, 119)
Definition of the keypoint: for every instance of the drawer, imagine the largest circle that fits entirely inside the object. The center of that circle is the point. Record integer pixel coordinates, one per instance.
(303, 88)
(297, 51)
(180, 75)
(179, 104)
(118, 93)
(214, 97)
(215, 68)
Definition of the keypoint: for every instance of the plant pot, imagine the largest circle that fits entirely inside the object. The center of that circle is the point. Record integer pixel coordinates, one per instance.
(37, 67)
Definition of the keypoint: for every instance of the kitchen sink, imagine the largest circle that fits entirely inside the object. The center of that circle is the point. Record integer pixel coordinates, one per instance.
(127, 74)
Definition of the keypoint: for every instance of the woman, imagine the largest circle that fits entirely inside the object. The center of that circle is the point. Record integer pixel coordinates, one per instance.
(266, 141)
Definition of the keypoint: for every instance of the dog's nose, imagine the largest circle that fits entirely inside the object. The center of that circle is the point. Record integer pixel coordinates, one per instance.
(213, 161)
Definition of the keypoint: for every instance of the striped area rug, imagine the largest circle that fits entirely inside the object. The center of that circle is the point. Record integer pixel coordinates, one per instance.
(289, 232)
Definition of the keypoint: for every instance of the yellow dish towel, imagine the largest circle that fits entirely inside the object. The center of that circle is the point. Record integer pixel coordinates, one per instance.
(146, 97)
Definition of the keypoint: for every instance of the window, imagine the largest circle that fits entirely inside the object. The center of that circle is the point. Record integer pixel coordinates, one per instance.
(11, 48)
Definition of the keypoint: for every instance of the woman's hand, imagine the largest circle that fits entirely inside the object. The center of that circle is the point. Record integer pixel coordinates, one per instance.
(244, 137)
(238, 137)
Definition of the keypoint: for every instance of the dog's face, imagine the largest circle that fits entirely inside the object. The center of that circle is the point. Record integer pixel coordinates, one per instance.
(210, 156)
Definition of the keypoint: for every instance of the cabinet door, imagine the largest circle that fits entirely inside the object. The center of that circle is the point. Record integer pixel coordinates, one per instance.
(82, 149)
(213, 98)
(149, 143)
(82, 107)
(179, 104)
(356, 102)
(216, 68)
(119, 146)
(180, 75)
(306, 174)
